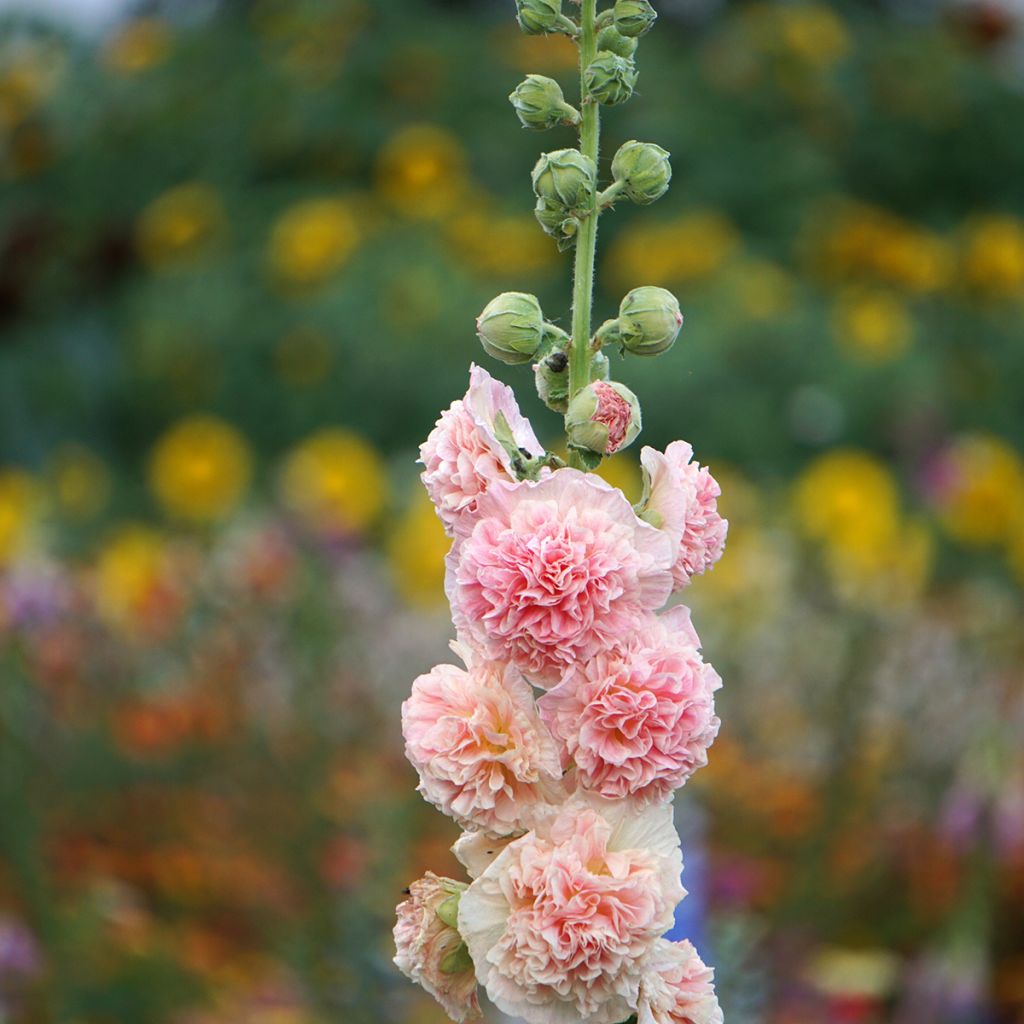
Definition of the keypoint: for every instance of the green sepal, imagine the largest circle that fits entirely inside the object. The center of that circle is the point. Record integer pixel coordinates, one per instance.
(457, 961)
(591, 460)
(448, 910)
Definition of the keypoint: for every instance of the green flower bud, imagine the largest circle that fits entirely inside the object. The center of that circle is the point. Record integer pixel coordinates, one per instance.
(537, 17)
(634, 17)
(511, 327)
(603, 418)
(612, 40)
(555, 220)
(643, 170)
(540, 103)
(566, 178)
(649, 321)
(610, 79)
(551, 376)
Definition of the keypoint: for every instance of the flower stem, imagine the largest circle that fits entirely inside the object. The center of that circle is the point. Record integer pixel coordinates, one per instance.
(586, 236)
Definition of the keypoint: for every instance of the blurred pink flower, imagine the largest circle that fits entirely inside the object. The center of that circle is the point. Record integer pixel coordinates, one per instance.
(483, 755)
(428, 947)
(637, 721)
(682, 500)
(560, 923)
(677, 988)
(556, 571)
(462, 457)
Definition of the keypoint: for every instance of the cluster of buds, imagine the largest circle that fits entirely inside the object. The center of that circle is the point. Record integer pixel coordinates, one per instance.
(558, 584)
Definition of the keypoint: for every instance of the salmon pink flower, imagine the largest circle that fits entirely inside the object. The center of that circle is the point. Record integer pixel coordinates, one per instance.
(682, 499)
(637, 721)
(560, 924)
(462, 457)
(677, 987)
(555, 572)
(429, 949)
(483, 755)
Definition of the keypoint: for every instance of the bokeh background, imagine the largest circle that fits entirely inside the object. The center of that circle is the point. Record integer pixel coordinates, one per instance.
(241, 250)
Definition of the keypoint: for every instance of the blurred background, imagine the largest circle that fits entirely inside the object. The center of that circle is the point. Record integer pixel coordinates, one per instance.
(242, 245)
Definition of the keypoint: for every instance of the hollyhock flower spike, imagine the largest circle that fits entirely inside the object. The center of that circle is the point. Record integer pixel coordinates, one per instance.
(555, 572)
(558, 584)
(482, 753)
(430, 950)
(681, 498)
(561, 923)
(637, 720)
(677, 987)
(463, 456)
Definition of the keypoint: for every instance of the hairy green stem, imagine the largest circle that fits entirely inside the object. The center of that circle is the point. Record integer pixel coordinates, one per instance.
(586, 236)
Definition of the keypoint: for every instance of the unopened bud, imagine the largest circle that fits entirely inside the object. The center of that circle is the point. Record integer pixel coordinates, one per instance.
(511, 327)
(556, 221)
(551, 376)
(603, 418)
(643, 170)
(540, 103)
(610, 79)
(537, 17)
(634, 17)
(565, 178)
(649, 321)
(612, 40)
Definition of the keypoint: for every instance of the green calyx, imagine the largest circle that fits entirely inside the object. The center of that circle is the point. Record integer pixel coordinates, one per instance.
(642, 171)
(610, 79)
(634, 18)
(537, 17)
(551, 375)
(649, 321)
(511, 327)
(613, 41)
(457, 961)
(603, 418)
(540, 103)
(565, 178)
(556, 222)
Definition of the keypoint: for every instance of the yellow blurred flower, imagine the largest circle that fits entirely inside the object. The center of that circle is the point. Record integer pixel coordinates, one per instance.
(847, 498)
(335, 482)
(858, 242)
(416, 551)
(131, 570)
(30, 73)
(421, 171)
(893, 571)
(980, 495)
(872, 326)
(692, 246)
(80, 481)
(199, 470)
(812, 33)
(138, 46)
(19, 501)
(993, 256)
(311, 240)
(542, 54)
(492, 243)
(179, 224)
(303, 357)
